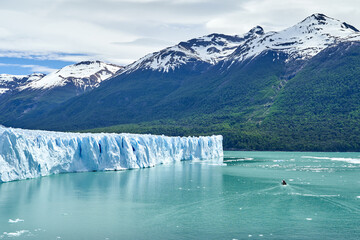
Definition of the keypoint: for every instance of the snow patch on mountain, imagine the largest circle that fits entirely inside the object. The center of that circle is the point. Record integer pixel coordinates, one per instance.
(83, 75)
(302, 41)
(11, 82)
(208, 49)
(5, 78)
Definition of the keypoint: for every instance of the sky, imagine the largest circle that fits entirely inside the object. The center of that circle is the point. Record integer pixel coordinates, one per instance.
(44, 35)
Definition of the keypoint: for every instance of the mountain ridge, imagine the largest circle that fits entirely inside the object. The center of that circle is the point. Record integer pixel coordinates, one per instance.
(216, 47)
(83, 75)
(251, 44)
(238, 86)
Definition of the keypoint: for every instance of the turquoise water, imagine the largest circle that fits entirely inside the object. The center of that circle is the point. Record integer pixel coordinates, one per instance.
(193, 200)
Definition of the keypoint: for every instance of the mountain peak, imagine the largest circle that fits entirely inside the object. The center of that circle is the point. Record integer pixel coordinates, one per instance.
(208, 49)
(257, 30)
(301, 41)
(319, 16)
(318, 19)
(86, 74)
(87, 62)
(322, 19)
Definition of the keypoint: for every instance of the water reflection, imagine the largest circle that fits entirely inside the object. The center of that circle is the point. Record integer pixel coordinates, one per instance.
(128, 199)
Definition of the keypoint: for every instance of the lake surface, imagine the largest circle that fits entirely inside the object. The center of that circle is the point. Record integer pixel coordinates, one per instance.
(193, 200)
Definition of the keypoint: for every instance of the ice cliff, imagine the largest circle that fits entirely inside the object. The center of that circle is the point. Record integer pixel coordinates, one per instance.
(34, 153)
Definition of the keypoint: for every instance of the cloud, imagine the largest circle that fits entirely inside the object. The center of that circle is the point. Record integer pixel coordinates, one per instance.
(37, 68)
(146, 42)
(121, 31)
(33, 68)
(275, 15)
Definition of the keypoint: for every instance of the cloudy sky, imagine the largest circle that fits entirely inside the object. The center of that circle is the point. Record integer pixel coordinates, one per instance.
(43, 35)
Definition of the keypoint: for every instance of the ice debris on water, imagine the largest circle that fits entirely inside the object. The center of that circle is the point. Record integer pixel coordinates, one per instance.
(16, 234)
(16, 220)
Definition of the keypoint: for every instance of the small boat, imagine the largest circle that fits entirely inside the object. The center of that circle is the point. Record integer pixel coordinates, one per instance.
(283, 182)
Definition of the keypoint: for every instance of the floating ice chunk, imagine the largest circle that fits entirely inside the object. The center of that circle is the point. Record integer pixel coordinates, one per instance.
(16, 220)
(16, 234)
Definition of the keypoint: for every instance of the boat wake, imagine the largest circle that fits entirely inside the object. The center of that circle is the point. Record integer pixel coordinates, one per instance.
(297, 191)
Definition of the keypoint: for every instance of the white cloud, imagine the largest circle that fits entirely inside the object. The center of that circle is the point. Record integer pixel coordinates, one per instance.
(37, 68)
(33, 68)
(122, 31)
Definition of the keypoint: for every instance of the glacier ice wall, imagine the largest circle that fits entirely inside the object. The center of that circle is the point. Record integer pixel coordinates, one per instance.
(34, 153)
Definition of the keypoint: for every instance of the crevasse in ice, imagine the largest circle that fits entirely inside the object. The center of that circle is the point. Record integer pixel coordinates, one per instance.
(34, 153)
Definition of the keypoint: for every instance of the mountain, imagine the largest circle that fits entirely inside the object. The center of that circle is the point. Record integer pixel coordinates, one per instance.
(83, 76)
(28, 98)
(295, 89)
(9, 83)
(207, 50)
(302, 41)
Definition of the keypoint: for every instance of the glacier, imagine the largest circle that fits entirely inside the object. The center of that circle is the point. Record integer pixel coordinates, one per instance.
(34, 153)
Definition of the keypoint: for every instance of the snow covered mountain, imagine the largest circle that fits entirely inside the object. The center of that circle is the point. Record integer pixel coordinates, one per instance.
(302, 41)
(10, 82)
(83, 75)
(35, 95)
(208, 49)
